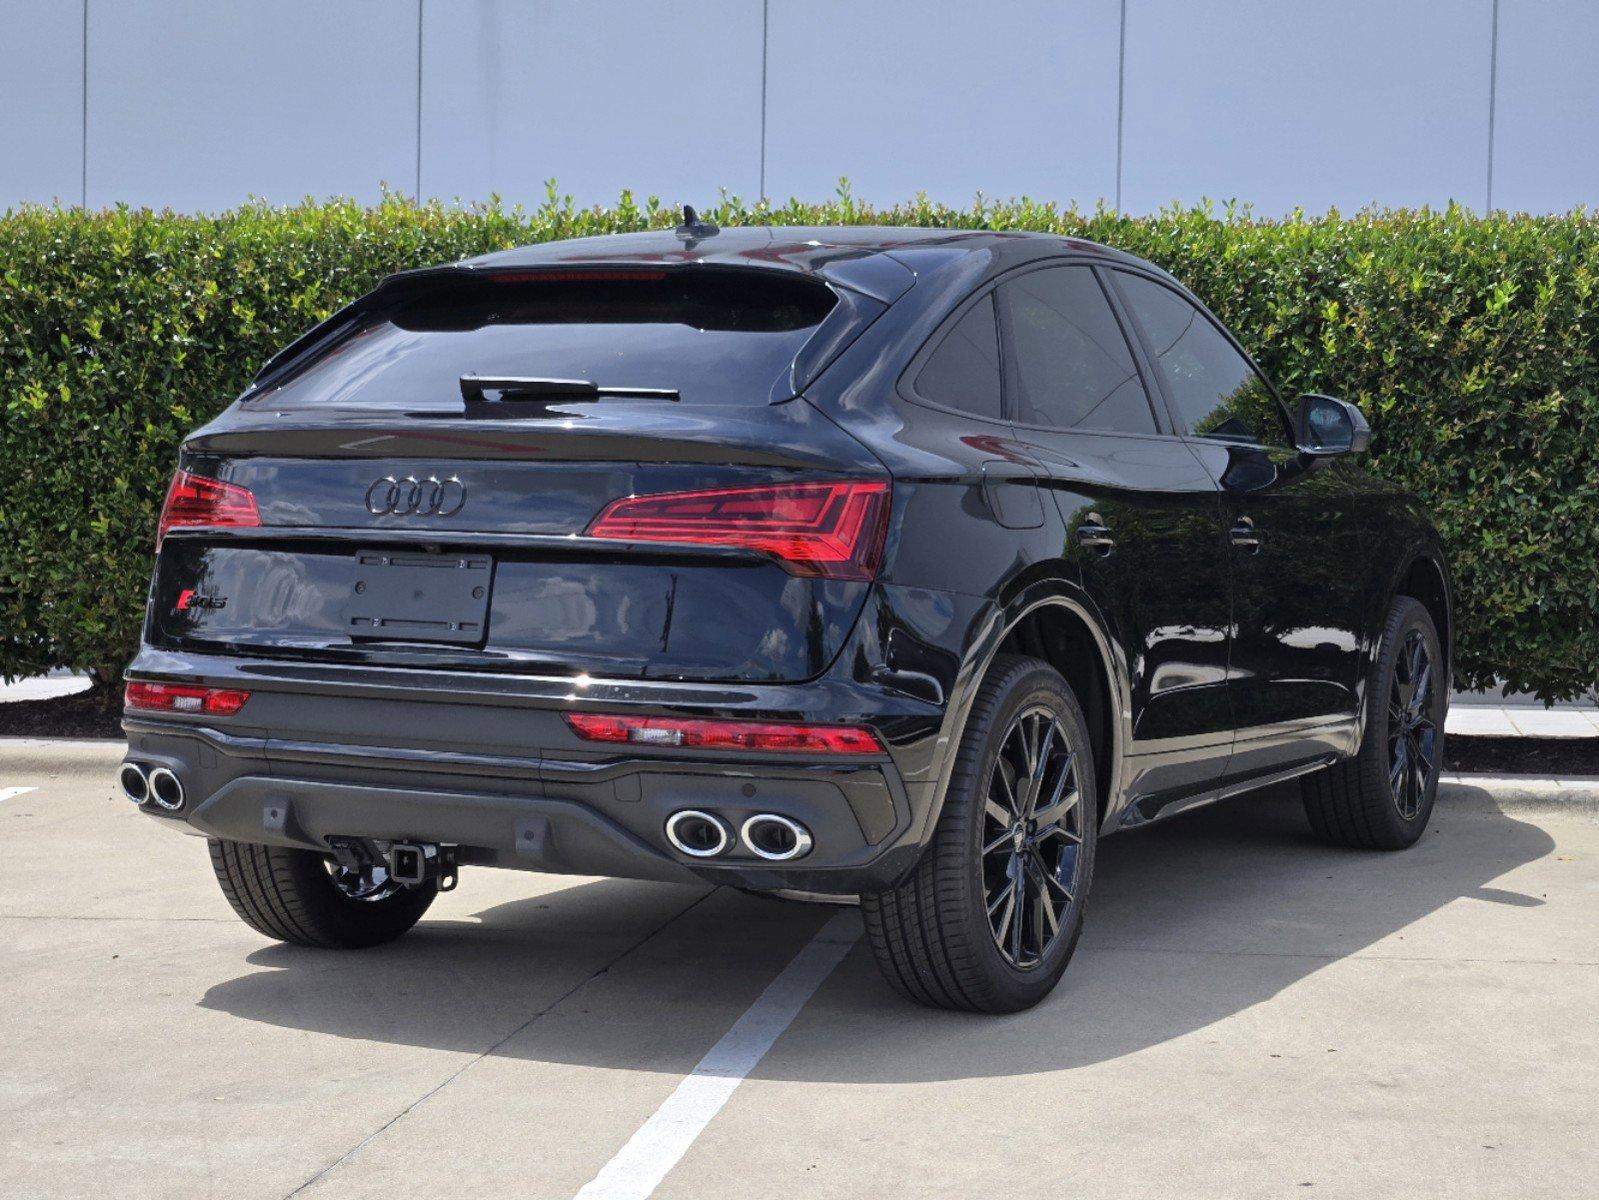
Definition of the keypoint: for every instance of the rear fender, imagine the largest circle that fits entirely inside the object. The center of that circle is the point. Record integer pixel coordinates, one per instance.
(989, 635)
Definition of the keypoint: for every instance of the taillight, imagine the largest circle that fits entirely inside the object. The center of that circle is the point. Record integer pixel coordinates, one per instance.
(195, 500)
(834, 530)
(183, 697)
(724, 735)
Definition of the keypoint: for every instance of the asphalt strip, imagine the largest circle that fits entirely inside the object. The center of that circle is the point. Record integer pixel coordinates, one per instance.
(639, 1167)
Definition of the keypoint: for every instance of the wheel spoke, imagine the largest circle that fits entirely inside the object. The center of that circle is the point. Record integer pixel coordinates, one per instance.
(1056, 810)
(1041, 763)
(1061, 801)
(1419, 698)
(1396, 772)
(1040, 907)
(1412, 780)
(1004, 839)
(1059, 831)
(1051, 917)
(1043, 911)
(1423, 764)
(998, 812)
(1002, 926)
(1066, 892)
(1026, 731)
(1020, 914)
(1038, 767)
(1007, 891)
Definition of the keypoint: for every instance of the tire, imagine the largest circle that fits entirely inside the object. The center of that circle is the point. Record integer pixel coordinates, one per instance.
(290, 895)
(1355, 803)
(932, 935)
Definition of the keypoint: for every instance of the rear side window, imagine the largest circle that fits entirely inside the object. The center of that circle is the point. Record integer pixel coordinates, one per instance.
(1074, 369)
(963, 372)
(715, 336)
(1217, 393)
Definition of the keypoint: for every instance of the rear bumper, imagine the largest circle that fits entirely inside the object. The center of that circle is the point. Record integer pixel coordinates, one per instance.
(491, 767)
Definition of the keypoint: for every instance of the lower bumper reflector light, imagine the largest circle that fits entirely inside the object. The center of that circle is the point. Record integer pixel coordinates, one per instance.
(724, 735)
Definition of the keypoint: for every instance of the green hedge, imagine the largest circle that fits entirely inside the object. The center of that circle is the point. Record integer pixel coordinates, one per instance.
(1469, 342)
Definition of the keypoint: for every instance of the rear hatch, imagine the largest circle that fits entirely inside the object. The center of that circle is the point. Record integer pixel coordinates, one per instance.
(599, 471)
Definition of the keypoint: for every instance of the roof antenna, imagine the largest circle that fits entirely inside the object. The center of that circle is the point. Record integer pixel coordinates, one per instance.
(694, 227)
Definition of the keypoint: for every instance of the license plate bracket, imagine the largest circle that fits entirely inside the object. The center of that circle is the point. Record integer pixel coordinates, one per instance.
(419, 597)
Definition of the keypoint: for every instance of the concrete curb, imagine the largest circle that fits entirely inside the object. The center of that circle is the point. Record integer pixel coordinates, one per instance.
(24, 760)
(52, 758)
(1531, 794)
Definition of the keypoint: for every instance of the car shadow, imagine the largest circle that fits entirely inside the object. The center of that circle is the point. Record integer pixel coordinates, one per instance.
(1192, 920)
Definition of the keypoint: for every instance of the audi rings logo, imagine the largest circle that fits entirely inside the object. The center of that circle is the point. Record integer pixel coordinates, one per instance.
(413, 497)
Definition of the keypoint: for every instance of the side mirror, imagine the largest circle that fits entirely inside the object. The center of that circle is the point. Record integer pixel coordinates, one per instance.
(1328, 427)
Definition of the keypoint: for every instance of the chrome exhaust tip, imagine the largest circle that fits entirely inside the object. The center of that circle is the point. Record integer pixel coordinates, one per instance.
(775, 838)
(135, 784)
(697, 834)
(166, 790)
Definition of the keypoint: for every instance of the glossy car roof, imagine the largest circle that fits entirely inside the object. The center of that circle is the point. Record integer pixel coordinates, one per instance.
(807, 249)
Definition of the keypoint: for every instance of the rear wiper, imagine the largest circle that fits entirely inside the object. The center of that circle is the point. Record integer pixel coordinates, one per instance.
(512, 387)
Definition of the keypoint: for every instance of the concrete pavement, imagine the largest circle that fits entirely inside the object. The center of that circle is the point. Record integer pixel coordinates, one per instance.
(1249, 1014)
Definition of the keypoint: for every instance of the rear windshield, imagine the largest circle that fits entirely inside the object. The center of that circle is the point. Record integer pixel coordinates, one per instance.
(715, 336)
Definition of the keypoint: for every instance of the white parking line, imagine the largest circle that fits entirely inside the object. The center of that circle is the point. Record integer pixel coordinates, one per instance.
(10, 792)
(639, 1167)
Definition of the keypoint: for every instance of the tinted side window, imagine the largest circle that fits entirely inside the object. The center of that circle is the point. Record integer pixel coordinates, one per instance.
(1074, 369)
(963, 373)
(1215, 390)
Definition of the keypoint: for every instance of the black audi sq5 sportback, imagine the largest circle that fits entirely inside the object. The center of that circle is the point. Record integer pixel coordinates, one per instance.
(898, 564)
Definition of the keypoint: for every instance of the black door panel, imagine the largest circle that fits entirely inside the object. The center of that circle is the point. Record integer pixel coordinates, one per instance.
(1303, 583)
(1161, 581)
(1141, 517)
(1298, 557)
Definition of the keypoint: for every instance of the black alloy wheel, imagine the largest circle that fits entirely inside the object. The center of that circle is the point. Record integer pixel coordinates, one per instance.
(991, 914)
(1032, 837)
(1382, 797)
(1412, 733)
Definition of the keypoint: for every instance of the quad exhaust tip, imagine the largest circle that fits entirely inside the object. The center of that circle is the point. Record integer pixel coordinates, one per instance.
(697, 834)
(166, 790)
(775, 838)
(135, 783)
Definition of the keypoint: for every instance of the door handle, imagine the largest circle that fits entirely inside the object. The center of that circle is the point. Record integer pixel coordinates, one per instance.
(1093, 534)
(1245, 536)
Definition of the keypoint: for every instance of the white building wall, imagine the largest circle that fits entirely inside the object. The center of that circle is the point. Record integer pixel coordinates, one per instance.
(1546, 129)
(41, 102)
(599, 94)
(904, 96)
(1312, 102)
(199, 104)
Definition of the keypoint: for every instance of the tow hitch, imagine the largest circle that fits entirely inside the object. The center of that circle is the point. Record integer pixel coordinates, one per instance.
(414, 863)
(410, 863)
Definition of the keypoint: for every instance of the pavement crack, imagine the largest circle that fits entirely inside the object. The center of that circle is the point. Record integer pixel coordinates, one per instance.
(479, 1057)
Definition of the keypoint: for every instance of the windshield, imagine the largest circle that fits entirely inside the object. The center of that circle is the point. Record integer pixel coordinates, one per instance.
(715, 336)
